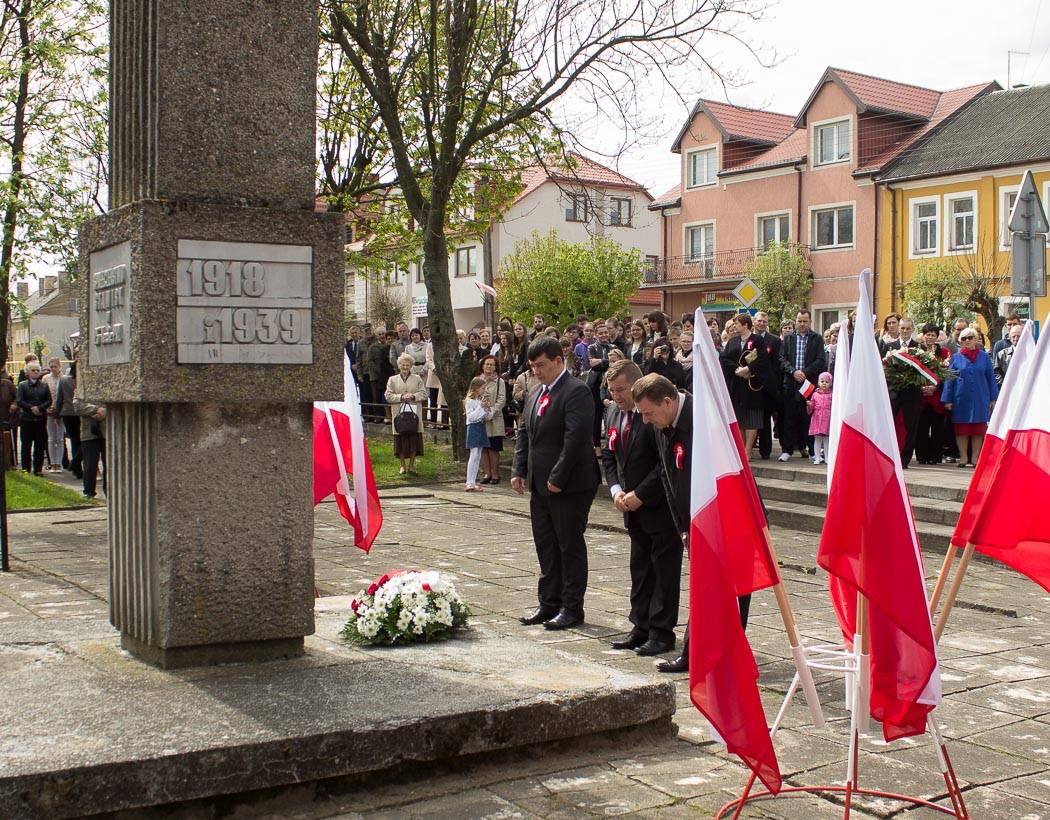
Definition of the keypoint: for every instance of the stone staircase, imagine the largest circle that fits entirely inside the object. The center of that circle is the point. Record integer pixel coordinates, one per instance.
(795, 495)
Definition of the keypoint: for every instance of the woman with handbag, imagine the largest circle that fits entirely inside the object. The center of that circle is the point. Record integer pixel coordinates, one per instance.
(748, 373)
(405, 393)
(494, 398)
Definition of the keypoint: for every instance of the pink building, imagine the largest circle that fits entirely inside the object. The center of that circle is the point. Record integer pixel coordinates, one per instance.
(752, 177)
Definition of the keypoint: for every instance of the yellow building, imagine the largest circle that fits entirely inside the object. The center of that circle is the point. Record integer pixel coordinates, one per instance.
(947, 201)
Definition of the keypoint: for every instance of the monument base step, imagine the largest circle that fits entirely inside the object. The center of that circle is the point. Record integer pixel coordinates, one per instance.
(89, 729)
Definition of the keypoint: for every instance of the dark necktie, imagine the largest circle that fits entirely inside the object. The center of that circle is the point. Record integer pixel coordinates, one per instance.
(627, 426)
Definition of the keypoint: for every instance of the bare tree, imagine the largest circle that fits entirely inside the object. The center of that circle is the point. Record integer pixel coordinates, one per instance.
(985, 276)
(469, 90)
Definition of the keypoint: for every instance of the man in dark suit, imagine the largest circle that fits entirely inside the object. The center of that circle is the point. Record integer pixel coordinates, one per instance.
(554, 458)
(765, 435)
(671, 413)
(632, 471)
(801, 358)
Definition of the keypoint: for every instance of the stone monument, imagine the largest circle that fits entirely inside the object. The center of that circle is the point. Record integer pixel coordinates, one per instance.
(213, 293)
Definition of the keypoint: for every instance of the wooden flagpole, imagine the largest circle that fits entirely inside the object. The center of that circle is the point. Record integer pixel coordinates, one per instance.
(798, 651)
(953, 591)
(942, 578)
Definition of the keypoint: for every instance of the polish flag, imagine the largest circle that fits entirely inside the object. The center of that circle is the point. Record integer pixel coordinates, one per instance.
(491, 291)
(869, 543)
(1010, 524)
(723, 674)
(340, 452)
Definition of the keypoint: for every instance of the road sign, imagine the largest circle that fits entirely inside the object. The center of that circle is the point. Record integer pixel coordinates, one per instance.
(1028, 244)
(747, 292)
(1028, 214)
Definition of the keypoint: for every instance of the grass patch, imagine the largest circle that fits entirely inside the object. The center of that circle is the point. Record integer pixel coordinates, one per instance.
(434, 466)
(28, 492)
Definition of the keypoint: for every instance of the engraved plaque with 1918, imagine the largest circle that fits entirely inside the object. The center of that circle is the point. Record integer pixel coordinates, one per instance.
(244, 303)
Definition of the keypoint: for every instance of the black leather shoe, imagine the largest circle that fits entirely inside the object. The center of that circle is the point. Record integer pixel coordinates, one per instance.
(652, 647)
(679, 664)
(540, 615)
(485, 480)
(563, 620)
(632, 642)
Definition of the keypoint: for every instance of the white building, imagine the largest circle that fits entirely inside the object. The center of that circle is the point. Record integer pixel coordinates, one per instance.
(589, 199)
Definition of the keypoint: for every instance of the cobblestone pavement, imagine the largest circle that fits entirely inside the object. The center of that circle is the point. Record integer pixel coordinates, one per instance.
(995, 663)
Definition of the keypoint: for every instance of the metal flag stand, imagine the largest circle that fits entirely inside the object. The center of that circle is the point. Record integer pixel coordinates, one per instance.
(855, 664)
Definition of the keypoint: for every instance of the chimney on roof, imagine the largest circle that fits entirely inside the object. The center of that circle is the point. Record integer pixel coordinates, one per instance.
(48, 284)
(22, 290)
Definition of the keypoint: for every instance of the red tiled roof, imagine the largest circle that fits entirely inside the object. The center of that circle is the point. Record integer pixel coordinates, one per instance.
(585, 172)
(889, 96)
(750, 123)
(646, 297)
(738, 123)
(948, 103)
(668, 198)
(791, 150)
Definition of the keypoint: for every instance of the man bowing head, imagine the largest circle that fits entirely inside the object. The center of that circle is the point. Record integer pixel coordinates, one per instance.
(554, 458)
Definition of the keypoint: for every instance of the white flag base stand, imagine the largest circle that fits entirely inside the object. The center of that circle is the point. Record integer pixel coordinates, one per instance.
(855, 666)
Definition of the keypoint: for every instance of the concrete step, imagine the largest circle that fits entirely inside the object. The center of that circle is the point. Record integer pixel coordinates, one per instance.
(810, 518)
(933, 511)
(118, 735)
(943, 482)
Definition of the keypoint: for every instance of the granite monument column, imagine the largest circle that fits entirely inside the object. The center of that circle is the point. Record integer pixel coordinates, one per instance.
(213, 320)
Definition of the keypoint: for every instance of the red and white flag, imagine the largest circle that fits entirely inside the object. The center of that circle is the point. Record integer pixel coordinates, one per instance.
(722, 670)
(869, 543)
(491, 291)
(1003, 516)
(341, 453)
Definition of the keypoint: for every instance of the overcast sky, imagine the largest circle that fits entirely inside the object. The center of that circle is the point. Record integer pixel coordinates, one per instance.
(938, 44)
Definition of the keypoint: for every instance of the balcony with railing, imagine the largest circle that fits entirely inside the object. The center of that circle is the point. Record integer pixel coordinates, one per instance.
(721, 266)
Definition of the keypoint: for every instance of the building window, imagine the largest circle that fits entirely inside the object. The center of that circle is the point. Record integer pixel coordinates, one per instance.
(419, 272)
(701, 167)
(1006, 235)
(577, 210)
(776, 228)
(924, 227)
(833, 228)
(960, 223)
(701, 247)
(833, 143)
(620, 212)
(467, 262)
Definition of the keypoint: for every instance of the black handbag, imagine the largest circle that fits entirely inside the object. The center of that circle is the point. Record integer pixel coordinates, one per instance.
(407, 420)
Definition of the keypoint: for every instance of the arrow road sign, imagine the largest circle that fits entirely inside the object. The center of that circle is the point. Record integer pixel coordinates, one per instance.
(1028, 244)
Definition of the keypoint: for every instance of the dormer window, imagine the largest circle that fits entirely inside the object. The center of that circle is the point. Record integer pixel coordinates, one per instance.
(701, 167)
(833, 143)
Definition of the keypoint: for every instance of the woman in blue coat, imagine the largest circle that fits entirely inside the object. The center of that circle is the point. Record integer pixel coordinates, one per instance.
(971, 397)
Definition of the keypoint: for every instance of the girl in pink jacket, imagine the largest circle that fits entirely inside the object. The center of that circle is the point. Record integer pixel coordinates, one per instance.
(819, 408)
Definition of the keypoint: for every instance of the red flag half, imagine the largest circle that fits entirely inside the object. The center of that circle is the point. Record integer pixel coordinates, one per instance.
(341, 453)
(1012, 394)
(869, 543)
(1011, 524)
(723, 674)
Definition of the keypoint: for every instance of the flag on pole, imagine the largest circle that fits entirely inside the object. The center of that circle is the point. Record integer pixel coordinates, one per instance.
(869, 543)
(1003, 516)
(843, 596)
(340, 452)
(750, 562)
(491, 291)
(722, 670)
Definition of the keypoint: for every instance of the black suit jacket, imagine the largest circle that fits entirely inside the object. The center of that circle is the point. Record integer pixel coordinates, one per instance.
(636, 468)
(556, 446)
(678, 480)
(814, 362)
(773, 345)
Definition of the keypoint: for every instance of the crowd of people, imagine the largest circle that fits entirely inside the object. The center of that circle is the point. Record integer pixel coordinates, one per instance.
(610, 398)
(48, 428)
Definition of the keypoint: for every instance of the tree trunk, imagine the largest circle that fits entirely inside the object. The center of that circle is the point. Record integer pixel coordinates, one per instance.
(453, 372)
(15, 180)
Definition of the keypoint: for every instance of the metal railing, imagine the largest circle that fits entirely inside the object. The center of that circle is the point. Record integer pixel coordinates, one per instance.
(718, 266)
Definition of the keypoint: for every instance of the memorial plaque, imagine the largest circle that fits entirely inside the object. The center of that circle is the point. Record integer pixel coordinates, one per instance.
(244, 303)
(109, 313)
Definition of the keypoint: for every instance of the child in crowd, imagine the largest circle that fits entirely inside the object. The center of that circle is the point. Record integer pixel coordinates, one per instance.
(819, 408)
(477, 438)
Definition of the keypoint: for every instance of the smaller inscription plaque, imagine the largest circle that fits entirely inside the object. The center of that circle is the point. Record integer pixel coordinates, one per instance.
(244, 303)
(109, 312)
